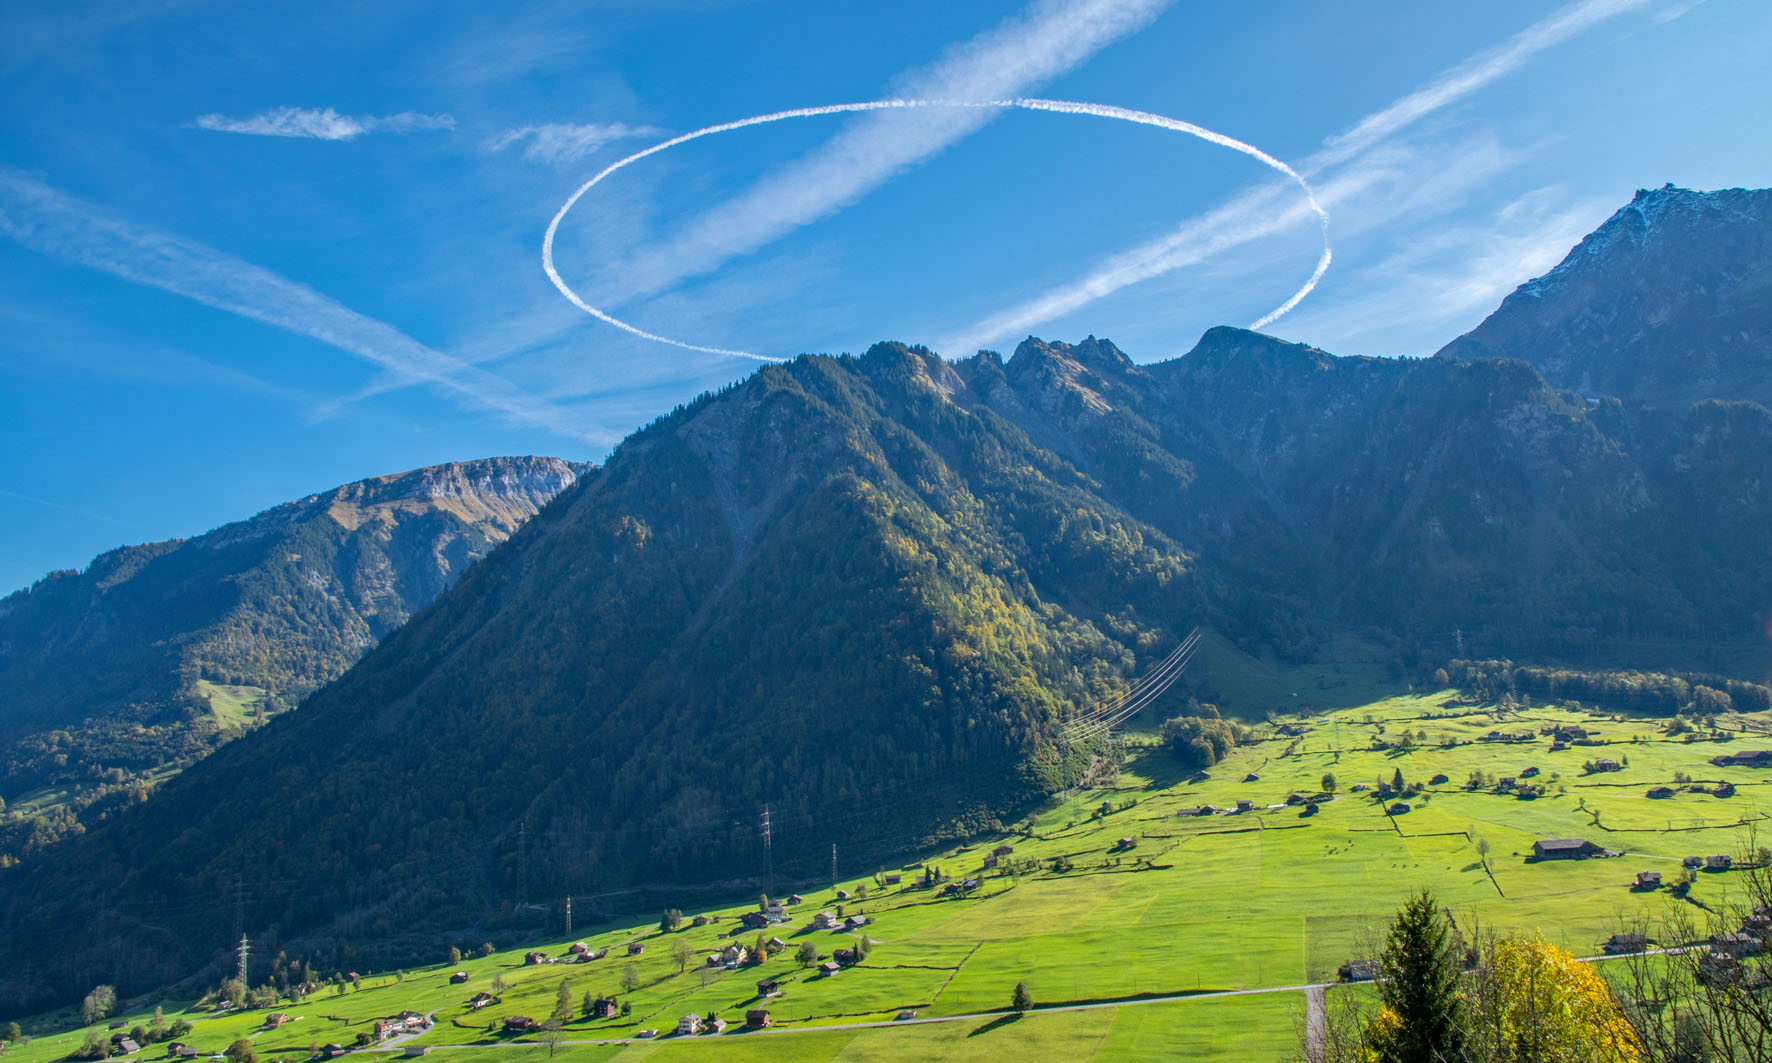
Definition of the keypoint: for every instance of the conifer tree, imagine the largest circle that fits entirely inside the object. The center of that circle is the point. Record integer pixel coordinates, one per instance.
(1420, 987)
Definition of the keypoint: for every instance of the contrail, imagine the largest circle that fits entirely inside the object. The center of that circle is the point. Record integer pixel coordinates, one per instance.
(1094, 110)
(54, 223)
(1233, 224)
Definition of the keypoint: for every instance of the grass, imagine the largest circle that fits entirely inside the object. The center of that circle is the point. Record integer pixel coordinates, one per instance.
(235, 708)
(1261, 900)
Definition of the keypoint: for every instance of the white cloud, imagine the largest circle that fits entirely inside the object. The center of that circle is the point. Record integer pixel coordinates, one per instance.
(53, 223)
(1049, 38)
(323, 123)
(563, 142)
(1264, 210)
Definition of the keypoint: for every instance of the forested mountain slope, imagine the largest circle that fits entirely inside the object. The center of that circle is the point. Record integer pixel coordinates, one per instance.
(865, 593)
(154, 655)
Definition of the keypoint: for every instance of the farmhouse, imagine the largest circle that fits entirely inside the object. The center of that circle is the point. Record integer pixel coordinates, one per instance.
(689, 1025)
(275, 1019)
(768, 987)
(753, 920)
(989, 862)
(1003, 850)
(700, 920)
(635, 948)
(480, 1000)
(829, 968)
(531, 958)
(1564, 849)
(1529, 773)
(1720, 862)
(756, 1019)
(1692, 862)
(796, 899)
(1738, 944)
(1245, 806)
(1622, 943)
(842, 895)
(1359, 971)
(824, 920)
(128, 1045)
(458, 978)
(519, 1024)
(1723, 789)
(605, 1008)
(856, 922)
(1606, 764)
(1659, 793)
(1648, 880)
(1752, 758)
(892, 878)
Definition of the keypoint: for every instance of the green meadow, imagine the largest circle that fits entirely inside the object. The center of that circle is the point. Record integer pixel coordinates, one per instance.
(1267, 899)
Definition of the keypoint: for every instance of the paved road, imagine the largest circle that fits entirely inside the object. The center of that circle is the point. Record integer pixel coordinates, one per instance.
(1316, 1004)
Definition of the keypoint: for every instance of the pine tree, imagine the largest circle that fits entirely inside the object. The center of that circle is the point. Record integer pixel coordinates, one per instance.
(1421, 987)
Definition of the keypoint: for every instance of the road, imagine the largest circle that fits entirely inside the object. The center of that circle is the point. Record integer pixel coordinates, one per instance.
(1316, 998)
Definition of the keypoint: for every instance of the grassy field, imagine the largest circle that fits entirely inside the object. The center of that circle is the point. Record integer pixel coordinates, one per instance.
(1263, 900)
(234, 707)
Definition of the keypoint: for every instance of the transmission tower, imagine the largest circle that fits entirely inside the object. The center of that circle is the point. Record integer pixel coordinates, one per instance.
(568, 916)
(768, 852)
(833, 865)
(240, 928)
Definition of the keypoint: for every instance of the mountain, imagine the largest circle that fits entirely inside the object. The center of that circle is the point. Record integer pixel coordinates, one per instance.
(152, 657)
(1669, 302)
(864, 594)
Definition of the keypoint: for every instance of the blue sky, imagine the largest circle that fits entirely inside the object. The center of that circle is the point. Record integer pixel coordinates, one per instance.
(248, 252)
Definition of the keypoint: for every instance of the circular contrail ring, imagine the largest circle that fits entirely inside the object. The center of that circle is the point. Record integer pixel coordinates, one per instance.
(1097, 110)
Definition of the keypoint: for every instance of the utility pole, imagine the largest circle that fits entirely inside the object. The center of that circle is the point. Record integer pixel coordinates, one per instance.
(568, 916)
(768, 852)
(240, 929)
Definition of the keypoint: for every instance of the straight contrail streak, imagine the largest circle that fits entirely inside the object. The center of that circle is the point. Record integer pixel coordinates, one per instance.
(1094, 110)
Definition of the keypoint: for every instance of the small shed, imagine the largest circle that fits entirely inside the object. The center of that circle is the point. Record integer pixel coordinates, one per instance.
(756, 1019)
(1648, 880)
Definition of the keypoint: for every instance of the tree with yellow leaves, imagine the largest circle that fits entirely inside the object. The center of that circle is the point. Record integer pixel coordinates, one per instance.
(1532, 1002)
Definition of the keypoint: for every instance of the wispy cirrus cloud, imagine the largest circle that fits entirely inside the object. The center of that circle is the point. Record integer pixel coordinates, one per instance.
(1263, 211)
(323, 123)
(64, 227)
(563, 142)
(1047, 39)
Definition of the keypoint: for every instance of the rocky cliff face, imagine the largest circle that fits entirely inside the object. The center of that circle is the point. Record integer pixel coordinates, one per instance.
(1669, 302)
(156, 654)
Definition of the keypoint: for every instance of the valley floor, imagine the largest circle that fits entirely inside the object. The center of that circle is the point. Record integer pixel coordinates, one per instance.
(1236, 914)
